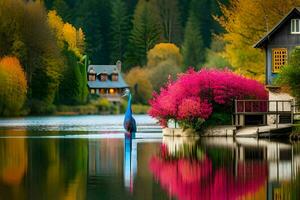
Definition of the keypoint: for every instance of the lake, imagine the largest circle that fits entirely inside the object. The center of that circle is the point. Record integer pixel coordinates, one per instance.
(87, 157)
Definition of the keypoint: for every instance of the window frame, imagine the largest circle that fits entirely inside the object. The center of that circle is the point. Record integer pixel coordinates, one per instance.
(294, 23)
(276, 69)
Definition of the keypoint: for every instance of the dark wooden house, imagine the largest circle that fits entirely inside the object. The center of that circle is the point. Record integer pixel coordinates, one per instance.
(106, 81)
(279, 42)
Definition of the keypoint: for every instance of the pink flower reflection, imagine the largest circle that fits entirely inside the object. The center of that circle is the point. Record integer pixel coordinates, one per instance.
(192, 179)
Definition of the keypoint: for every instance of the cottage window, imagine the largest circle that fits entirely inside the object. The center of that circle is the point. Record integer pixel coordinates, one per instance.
(92, 77)
(279, 59)
(103, 77)
(114, 77)
(93, 91)
(295, 26)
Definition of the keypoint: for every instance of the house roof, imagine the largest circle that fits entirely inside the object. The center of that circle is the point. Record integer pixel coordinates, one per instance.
(109, 69)
(266, 37)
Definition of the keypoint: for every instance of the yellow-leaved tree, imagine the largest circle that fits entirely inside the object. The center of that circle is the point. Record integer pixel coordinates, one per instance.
(13, 86)
(66, 32)
(162, 52)
(164, 61)
(245, 22)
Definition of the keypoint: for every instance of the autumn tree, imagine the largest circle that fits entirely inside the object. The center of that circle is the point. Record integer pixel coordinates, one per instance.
(164, 62)
(193, 50)
(137, 78)
(72, 89)
(32, 41)
(245, 23)
(13, 86)
(162, 52)
(120, 24)
(144, 35)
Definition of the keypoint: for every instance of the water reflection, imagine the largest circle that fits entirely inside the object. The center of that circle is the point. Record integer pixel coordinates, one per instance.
(174, 168)
(220, 168)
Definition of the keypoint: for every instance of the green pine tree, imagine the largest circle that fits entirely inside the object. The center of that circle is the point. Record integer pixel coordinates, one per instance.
(144, 35)
(169, 16)
(119, 30)
(193, 48)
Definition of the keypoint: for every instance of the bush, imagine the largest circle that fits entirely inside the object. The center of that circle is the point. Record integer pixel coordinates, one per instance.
(195, 98)
(159, 75)
(162, 52)
(290, 74)
(13, 86)
(138, 80)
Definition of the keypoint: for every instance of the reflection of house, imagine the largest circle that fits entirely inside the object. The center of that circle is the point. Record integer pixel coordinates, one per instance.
(106, 81)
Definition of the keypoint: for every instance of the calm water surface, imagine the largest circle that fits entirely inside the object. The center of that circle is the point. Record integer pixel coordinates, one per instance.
(87, 157)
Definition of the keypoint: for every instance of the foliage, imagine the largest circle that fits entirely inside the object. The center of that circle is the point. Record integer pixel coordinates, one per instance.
(192, 48)
(144, 35)
(66, 33)
(72, 89)
(160, 75)
(137, 79)
(119, 30)
(245, 23)
(289, 75)
(164, 62)
(33, 43)
(162, 52)
(169, 16)
(13, 86)
(214, 57)
(94, 16)
(197, 95)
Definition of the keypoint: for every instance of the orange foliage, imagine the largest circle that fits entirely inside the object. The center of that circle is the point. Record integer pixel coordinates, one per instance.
(13, 86)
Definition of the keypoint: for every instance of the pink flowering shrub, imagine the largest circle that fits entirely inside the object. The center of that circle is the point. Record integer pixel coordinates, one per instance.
(195, 97)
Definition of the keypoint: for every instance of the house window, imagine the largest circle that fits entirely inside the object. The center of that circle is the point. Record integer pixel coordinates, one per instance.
(279, 59)
(114, 77)
(92, 77)
(93, 91)
(103, 77)
(295, 26)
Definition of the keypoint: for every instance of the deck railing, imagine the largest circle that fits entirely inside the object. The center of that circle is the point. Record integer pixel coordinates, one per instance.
(263, 107)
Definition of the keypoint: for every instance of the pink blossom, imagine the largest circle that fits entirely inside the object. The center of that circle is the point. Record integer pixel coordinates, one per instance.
(195, 94)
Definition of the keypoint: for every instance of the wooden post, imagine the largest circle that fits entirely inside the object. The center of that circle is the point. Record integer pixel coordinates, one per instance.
(292, 112)
(277, 114)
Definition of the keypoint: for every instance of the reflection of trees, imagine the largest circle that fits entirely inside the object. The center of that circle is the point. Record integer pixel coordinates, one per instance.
(43, 168)
(193, 178)
(13, 156)
(61, 166)
(13, 167)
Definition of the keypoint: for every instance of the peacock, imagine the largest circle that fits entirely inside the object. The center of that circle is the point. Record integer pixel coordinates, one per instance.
(129, 122)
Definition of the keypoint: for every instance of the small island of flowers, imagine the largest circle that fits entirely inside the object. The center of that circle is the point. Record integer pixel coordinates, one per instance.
(198, 99)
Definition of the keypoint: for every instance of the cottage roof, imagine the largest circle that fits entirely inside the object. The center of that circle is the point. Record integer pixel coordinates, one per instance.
(109, 69)
(265, 38)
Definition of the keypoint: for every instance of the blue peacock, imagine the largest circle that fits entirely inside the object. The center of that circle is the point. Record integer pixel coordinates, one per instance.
(129, 122)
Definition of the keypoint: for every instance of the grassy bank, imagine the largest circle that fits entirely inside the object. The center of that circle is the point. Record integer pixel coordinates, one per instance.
(102, 106)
